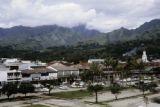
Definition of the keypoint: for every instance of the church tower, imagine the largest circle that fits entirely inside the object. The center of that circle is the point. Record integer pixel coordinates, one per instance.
(144, 57)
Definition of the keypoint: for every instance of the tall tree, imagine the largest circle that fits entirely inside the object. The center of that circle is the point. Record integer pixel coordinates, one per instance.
(107, 62)
(96, 71)
(115, 89)
(50, 87)
(114, 64)
(140, 66)
(95, 88)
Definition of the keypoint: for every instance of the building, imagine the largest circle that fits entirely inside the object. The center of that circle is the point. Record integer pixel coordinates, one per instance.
(10, 69)
(99, 61)
(38, 74)
(9, 75)
(144, 57)
(65, 72)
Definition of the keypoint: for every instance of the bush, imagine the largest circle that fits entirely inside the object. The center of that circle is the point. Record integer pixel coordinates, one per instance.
(25, 88)
(156, 100)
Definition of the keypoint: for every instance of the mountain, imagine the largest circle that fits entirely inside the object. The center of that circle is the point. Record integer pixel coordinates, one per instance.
(44, 36)
(41, 37)
(148, 30)
(149, 26)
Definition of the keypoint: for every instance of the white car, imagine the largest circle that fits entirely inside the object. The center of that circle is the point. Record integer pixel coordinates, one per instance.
(63, 87)
(77, 85)
(99, 83)
(42, 89)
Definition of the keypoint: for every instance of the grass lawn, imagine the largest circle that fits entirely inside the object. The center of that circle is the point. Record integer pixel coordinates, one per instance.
(72, 94)
(37, 105)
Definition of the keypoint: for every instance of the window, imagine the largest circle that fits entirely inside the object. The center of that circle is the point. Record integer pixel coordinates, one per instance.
(44, 74)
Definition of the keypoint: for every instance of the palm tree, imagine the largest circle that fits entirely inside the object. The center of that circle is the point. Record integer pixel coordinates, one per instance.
(120, 68)
(131, 64)
(115, 89)
(96, 70)
(107, 62)
(114, 64)
(140, 66)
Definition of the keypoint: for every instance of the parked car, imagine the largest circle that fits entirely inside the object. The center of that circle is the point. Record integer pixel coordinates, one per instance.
(158, 88)
(42, 89)
(78, 84)
(63, 87)
(99, 83)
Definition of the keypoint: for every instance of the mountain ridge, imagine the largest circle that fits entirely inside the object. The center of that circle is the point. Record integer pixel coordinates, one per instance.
(23, 37)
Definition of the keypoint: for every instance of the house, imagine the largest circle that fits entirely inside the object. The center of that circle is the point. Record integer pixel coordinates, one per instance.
(9, 75)
(38, 74)
(18, 64)
(65, 72)
(14, 75)
(31, 65)
(10, 69)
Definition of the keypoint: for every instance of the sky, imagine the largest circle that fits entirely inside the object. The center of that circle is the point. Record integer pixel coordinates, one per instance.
(102, 15)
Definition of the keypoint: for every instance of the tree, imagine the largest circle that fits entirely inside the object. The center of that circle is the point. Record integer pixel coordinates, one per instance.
(9, 89)
(49, 84)
(140, 66)
(143, 87)
(25, 88)
(95, 70)
(115, 89)
(0, 92)
(114, 64)
(95, 88)
(152, 87)
(50, 87)
(131, 64)
(107, 62)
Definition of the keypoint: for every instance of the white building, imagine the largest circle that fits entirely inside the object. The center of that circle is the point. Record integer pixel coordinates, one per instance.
(64, 72)
(38, 74)
(21, 64)
(99, 61)
(3, 76)
(7, 75)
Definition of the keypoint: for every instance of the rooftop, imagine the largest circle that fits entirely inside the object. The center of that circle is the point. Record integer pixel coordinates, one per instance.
(38, 70)
(62, 67)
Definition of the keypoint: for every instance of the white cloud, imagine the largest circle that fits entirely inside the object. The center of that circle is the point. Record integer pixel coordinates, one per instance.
(104, 15)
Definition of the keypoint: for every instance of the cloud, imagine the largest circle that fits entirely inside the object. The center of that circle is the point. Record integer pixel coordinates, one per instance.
(103, 15)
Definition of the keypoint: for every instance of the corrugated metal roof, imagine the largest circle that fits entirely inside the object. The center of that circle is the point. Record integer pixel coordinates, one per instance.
(38, 70)
(61, 67)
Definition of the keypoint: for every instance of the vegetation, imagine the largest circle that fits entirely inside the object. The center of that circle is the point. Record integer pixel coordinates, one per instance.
(25, 88)
(72, 94)
(95, 88)
(50, 87)
(84, 52)
(143, 87)
(37, 105)
(9, 89)
(147, 87)
(156, 100)
(115, 89)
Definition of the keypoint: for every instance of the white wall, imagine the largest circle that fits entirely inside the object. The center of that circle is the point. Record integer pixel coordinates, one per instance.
(53, 75)
(3, 76)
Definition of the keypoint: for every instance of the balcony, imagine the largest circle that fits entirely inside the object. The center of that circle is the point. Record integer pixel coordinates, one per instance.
(14, 77)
